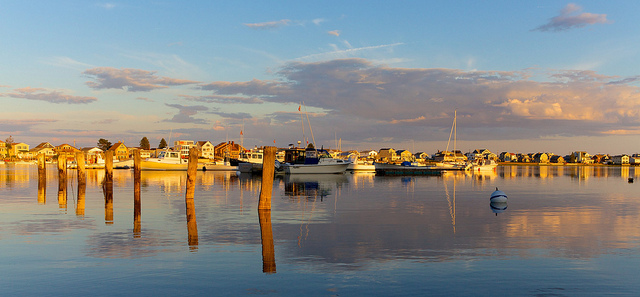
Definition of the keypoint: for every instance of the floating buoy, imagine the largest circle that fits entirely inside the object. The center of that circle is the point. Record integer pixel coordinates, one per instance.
(498, 196)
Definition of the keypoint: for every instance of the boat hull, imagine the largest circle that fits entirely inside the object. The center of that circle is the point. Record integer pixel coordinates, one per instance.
(361, 167)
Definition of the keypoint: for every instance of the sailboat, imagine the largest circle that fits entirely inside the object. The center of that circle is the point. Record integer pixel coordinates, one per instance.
(452, 160)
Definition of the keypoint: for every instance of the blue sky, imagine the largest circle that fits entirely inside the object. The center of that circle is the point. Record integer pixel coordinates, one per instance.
(524, 76)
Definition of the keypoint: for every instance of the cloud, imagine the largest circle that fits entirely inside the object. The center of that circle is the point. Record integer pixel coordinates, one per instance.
(571, 17)
(47, 96)
(318, 21)
(237, 115)
(17, 127)
(67, 62)
(107, 6)
(186, 113)
(145, 99)
(336, 54)
(334, 33)
(268, 25)
(224, 99)
(131, 80)
(410, 103)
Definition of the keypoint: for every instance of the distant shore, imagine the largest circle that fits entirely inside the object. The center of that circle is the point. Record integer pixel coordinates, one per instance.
(562, 164)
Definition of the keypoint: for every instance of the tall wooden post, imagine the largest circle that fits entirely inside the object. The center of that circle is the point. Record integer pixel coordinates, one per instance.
(108, 166)
(192, 226)
(266, 237)
(42, 179)
(268, 168)
(137, 210)
(62, 180)
(82, 173)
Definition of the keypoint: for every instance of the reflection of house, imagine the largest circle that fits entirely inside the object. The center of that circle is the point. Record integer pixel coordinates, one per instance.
(387, 154)
(230, 149)
(120, 151)
(620, 160)
(207, 149)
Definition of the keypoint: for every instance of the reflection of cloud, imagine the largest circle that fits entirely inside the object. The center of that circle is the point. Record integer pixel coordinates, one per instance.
(268, 25)
(185, 114)
(570, 17)
(132, 80)
(51, 96)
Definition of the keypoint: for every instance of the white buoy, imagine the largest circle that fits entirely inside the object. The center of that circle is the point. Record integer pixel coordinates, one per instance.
(498, 196)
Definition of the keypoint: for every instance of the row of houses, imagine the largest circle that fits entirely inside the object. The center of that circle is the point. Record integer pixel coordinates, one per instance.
(577, 157)
(120, 151)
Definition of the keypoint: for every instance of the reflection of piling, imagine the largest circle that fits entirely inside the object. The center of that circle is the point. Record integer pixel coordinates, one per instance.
(268, 250)
(81, 193)
(268, 168)
(42, 179)
(107, 187)
(137, 210)
(62, 180)
(192, 227)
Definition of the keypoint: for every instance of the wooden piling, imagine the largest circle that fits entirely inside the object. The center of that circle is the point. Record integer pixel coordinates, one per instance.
(62, 180)
(108, 166)
(268, 169)
(42, 179)
(192, 226)
(81, 168)
(266, 237)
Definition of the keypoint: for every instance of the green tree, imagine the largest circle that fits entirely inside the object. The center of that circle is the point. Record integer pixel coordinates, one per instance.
(144, 143)
(163, 144)
(104, 144)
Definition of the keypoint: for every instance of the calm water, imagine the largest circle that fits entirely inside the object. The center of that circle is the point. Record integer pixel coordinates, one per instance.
(567, 231)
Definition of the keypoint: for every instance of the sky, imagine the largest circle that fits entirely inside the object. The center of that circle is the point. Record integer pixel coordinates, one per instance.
(522, 76)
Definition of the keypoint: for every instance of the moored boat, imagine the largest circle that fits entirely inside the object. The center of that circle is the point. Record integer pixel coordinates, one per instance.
(484, 165)
(310, 161)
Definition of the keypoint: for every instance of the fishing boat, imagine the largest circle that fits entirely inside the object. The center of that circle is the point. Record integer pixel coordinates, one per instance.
(251, 161)
(310, 161)
(360, 165)
(166, 160)
(484, 165)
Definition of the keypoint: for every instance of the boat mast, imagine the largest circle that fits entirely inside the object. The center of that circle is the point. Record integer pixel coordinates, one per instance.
(453, 130)
(302, 122)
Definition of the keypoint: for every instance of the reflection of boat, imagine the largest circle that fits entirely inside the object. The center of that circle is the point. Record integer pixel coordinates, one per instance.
(310, 161)
(406, 168)
(312, 185)
(498, 207)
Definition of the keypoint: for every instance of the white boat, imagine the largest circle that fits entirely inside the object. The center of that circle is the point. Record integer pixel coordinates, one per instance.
(251, 161)
(166, 160)
(360, 165)
(310, 161)
(484, 165)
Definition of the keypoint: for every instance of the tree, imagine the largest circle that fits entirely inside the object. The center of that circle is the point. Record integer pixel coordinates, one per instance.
(163, 144)
(144, 143)
(104, 144)
(9, 142)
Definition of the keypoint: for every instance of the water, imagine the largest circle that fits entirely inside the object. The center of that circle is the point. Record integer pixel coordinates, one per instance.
(567, 231)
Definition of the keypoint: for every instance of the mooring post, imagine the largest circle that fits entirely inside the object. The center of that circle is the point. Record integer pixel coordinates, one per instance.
(108, 166)
(268, 169)
(42, 179)
(62, 180)
(192, 227)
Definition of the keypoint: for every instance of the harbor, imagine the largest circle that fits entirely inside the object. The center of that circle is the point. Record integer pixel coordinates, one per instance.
(325, 234)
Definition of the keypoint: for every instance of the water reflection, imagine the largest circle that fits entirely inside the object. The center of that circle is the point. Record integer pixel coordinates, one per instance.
(312, 186)
(266, 238)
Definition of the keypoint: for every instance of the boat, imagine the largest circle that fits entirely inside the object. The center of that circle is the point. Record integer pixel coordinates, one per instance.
(310, 161)
(483, 165)
(166, 160)
(360, 165)
(251, 161)
(452, 160)
(407, 168)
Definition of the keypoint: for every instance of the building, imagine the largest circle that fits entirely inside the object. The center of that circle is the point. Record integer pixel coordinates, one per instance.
(207, 149)
(446, 156)
(45, 148)
(540, 158)
(405, 155)
(3, 149)
(620, 160)
(368, 154)
(19, 150)
(228, 150)
(387, 155)
(508, 157)
(580, 157)
(120, 151)
(421, 156)
(183, 147)
(66, 149)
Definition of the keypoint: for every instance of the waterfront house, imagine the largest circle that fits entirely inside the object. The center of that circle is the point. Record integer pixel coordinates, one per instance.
(387, 155)
(120, 151)
(45, 148)
(482, 154)
(580, 157)
(207, 149)
(507, 157)
(92, 154)
(524, 158)
(20, 150)
(228, 149)
(446, 156)
(368, 154)
(183, 147)
(540, 158)
(3, 149)
(555, 159)
(405, 155)
(600, 158)
(620, 160)
(66, 149)
(422, 156)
